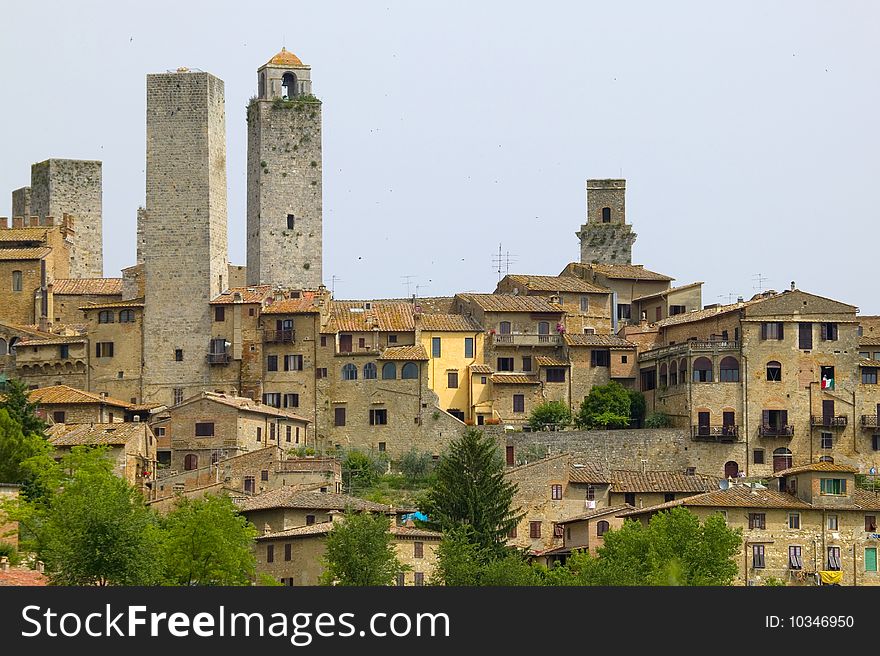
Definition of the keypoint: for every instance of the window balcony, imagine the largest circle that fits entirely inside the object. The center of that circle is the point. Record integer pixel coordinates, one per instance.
(870, 421)
(784, 430)
(527, 340)
(279, 336)
(823, 421)
(728, 433)
(218, 358)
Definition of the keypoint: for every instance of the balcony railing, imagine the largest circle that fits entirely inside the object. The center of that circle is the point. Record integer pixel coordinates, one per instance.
(279, 336)
(776, 431)
(716, 433)
(218, 358)
(827, 421)
(870, 421)
(715, 346)
(528, 340)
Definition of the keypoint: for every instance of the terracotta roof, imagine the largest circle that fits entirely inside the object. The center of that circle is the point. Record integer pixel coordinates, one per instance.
(556, 284)
(514, 379)
(586, 473)
(62, 394)
(351, 316)
(623, 480)
(414, 352)
(7, 254)
(94, 434)
(53, 341)
(737, 496)
(23, 234)
(626, 272)
(283, 497)
(285, 58)
(666, 292)
(481, 369)
(413, 532)
(302, 305)
(133, 303)
(322, 528)
(137, 407)
(252, 294)
(540, 461)
(699, 315)
(243, 404)
(598, 512)
(869, 341)
(797, 302)
(449, 323)
(87, 286)
(604, 341)
(512, 303)
(865, 499)
(20, 576)
(819, 467)
(546, 361)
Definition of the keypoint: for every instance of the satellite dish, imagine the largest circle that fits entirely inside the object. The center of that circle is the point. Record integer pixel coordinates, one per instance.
(723, 484)
(873, 471)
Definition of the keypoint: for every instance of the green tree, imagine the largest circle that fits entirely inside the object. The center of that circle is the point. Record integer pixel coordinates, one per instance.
(469, 488)
(637, 407)
(460, 561)
(361, 470)
(511, 570)
(207, 542)
(658, 420)
(606, 406)
(673, 549)
(16, 448)
(416, 466)
(96, 529)
(20, 408)
(552, 413)
(360, 551)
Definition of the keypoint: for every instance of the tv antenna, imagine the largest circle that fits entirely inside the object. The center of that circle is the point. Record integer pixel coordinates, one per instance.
(729, 296)
(501, 262)
(760, 280)
(407, 280)
(333, 280)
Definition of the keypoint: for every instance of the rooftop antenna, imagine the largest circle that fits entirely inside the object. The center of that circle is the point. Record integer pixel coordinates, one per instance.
(758, 278)
(729, 296)
(407, 280)
(333, 281)
(501, 262)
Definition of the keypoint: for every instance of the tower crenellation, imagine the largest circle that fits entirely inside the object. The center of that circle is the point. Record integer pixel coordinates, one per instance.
(606, 237)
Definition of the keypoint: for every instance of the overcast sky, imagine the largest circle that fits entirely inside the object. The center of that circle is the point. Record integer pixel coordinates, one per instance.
(747, 133)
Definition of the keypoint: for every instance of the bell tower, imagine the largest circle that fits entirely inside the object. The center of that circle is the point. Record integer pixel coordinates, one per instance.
(284, 209)
(606, 237)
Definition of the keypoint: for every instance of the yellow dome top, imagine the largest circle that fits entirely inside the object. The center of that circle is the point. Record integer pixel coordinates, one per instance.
(285, 58)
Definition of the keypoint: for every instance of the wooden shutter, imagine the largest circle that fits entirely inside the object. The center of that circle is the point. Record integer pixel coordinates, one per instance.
(781, 331)
(763, 331)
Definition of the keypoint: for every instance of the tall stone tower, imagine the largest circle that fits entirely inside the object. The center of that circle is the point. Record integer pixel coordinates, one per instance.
(284, 226)
(606, 237)
(72, 186)
(184, 227)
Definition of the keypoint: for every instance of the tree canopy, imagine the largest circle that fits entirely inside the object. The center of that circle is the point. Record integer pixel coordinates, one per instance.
(552, 413)
(360, 552)
(606, 406)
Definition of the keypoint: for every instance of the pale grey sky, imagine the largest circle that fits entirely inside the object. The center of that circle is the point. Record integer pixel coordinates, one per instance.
(747, 131)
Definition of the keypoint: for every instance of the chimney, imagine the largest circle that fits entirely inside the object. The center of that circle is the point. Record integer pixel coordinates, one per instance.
(136, 419)
(739, 299)
(690, 471)
(44, 324)
(267, 529)
(103, 395)
(4, 563)
(792, 285)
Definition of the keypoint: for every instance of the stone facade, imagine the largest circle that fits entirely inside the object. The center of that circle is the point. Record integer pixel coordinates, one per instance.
(606, 238)
(284, 179)
(21, 202)
(8, 530)
(185, 229)
(69, 186)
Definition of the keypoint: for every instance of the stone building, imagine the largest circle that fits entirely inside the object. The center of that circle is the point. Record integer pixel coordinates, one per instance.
(584, 532)
(780, 376)
(606, 237)
(641, 489)
(185, 230)
(60, 404)
(811, 522)
(67, 295)
(131, 446)
(284, 226)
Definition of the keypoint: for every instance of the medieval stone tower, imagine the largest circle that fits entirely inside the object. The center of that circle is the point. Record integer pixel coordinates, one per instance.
(68, 186)
(185, 249)
(284, 226)
(606, 238)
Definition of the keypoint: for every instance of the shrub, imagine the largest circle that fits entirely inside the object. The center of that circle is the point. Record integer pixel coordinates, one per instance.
(658, 420)
(554, 414)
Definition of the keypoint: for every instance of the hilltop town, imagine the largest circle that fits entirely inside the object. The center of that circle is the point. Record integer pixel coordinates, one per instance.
(206, 377)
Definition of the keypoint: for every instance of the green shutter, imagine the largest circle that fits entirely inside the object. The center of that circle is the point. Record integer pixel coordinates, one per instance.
(871, 559)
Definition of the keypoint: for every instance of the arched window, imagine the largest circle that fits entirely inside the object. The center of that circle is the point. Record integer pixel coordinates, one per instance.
(683, 371)
(409, 371)
(606, 215)
(602, 528)
(126, 316)
(673, 373)
(781, 459)
(543, 328)
(17, 281)
(288, 85)
(105, 316)
(729, 370)
(191, 462)
(349, 372)
(370, 371)
(664, 375)
(389, 371)
(702, 370)
(826, 459)
(731, 469)
(774, 371)
(504, 328)
(4, 347)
